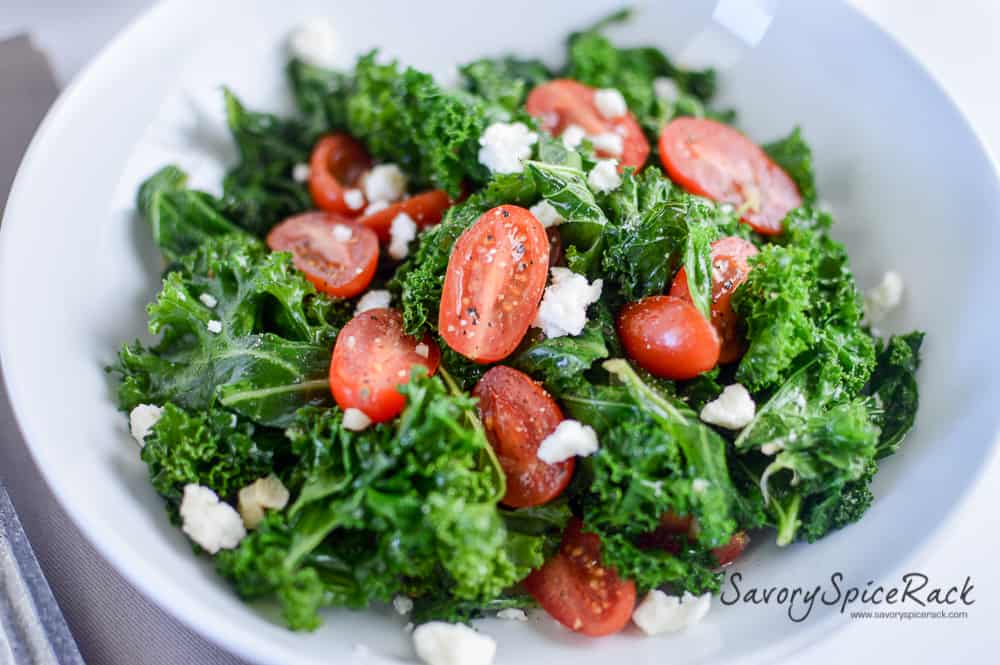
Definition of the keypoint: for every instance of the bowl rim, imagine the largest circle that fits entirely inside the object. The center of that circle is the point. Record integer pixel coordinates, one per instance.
(235, 637)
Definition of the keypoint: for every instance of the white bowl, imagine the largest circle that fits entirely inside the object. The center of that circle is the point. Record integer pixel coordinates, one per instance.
(912, 187)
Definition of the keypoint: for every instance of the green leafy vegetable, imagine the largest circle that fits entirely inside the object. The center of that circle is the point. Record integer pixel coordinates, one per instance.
(320, 95)
(506, 81)
(894, 387)
(793, 155)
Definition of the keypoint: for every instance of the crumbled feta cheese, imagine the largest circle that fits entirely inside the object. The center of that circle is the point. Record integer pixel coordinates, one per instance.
(356, 420)
(342, 233)
(666, 89)
(563, 310)
(260, 495)
(610, 103)
(699, 485)
(141, 421)
(214, 326)
(884, 298)
(573, 135)
(733, 409)
(659, 613)
(211, 523)
(385, 182)
(604, 176)
(401, 232)
(377, 206)
(355, 199)
(772, 448)
(208, 300)
(545, 213)
(570, 438)
(315, 42)
(512, 614)
(505, 146)
(422, 350)
(440, 643)
(301, 172)
(374, 299)
(402, 604)
(609, 143)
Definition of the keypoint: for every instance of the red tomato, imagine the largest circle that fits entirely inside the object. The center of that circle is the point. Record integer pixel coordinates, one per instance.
(579, 592)
(517, 414)
(371, 357)
(336, 164)
(564, 102)
(338, 267)
(495, 279)
(726, 554)
(730, 266)
(425, 208)
(668, 337)
(675, 532)
(714, 160)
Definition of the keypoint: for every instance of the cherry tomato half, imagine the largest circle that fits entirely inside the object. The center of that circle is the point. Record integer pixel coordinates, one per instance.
(726, 554)
(517, 414)
(710, 159)
(668, 337)
(564, 102)
(730, 267)
(495, 280)
(334, 253)
(676, 531)
(426, 209)
(336, 165)
(578, 591)
(371, 357)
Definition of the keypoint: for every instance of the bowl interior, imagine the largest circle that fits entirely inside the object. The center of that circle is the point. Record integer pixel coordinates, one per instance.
(911, 187)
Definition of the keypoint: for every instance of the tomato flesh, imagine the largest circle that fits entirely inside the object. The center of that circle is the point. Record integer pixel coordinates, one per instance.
(518, 414)
(668, 337)
(726, 554)
(372, 356)
(336, 164)
(426, 209)
(495, 279)
(730, 267)
(711, 159)
(337, 263)
(564, 102)
(578, 591)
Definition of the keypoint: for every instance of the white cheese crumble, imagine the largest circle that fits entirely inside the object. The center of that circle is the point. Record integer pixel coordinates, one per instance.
(610, 103)
(374, 299)
(385, 182)
(512, 614)
(208, 300)
(260, 495)
(884, 298)
(659, 613)
(356, 420)
(440, 643)
(505, 146)
(604, 176)
(377, 206)
(573, 136)
(699, 485)
(666, 89)
(354, 198)
(422, 350)
(342, 233)
(570, 438)
(563, 310)
(772, 448)
(214, 326)
(141, 421)
(609, 143)
(301, 172)
(733, 409)
(315, 42)
(402, 604)
(211, 523)
(402, 231)
(546, 213)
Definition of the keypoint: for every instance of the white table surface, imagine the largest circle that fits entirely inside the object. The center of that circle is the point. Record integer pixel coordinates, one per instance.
(958, 41)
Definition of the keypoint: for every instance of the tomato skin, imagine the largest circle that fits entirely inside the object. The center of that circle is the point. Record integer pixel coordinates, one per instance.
(730, 267)
(371, 357)
(711, 159)
(340, 269)
(336, 164)
(426, 209)
(578, 591)
(726, 554)
(563, 102)
(518, 414)
(668, 337)
(495, 279)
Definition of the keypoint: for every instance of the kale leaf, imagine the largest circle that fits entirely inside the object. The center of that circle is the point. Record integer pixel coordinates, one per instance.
(505, 82)
(320, 96)
(794, 155)
(894, 387)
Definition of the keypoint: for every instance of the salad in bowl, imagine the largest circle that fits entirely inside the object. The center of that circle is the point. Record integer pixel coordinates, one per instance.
(559, 338)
